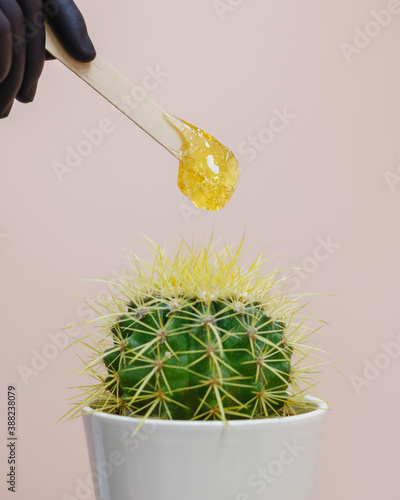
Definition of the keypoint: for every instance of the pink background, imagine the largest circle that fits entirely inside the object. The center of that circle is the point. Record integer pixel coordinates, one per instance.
(329, 175)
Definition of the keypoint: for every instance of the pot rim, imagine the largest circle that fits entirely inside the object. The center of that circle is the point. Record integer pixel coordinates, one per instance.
(321, 407)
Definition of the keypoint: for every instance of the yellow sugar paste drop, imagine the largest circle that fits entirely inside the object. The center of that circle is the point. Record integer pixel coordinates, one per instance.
(208, 171)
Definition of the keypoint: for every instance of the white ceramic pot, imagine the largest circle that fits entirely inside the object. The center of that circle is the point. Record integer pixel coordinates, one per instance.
(268, 459)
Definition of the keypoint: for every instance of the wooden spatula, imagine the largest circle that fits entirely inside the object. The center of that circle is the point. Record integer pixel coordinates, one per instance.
(125, 96)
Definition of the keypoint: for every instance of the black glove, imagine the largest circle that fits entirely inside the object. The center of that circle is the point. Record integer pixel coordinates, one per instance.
(22, 44)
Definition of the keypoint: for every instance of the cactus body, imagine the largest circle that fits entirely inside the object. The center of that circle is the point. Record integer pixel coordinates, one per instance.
(199, 337)
(190, 359)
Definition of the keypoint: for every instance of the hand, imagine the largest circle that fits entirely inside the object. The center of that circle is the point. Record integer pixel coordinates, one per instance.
(22, 44)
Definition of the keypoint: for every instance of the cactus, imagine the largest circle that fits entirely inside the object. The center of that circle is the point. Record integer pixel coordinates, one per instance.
(199, 337)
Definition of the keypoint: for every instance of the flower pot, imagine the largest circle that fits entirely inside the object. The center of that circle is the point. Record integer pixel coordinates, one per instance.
(265, 459)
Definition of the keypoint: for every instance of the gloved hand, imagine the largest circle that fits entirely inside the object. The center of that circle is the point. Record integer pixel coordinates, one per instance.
(22, 44)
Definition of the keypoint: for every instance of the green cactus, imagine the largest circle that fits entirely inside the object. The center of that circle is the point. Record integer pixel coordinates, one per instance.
(199, 337)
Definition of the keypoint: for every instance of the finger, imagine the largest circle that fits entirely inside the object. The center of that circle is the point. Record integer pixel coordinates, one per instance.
(68, 24)
(5, 46)
(35, 48)
(12, 83)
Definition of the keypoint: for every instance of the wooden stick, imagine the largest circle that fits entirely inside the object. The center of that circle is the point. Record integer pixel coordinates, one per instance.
(125, 96)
